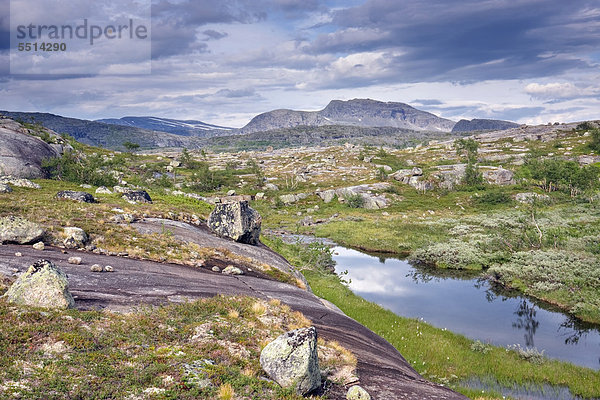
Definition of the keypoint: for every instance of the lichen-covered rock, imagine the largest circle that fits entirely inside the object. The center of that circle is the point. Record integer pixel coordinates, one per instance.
(19, 230)
(82, 197)
(137, 196)
(103, 190)
(357, 393)
(43, 285)
(74, 237)
(4, 188)
(39, 246)
(498, 176)
(231, 270)
(291, 360)
(236, 220)
(19, 182)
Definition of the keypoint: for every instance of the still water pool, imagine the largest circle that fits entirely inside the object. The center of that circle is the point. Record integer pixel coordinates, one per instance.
(465, 304)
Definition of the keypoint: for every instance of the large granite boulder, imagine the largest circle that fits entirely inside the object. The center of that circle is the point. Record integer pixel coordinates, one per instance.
(21, 154)
(74, 237)
(236, 220)
(82, 197)
(43, 285)
(291, 360)
(498, 176)
(19, 230)
(137, 196)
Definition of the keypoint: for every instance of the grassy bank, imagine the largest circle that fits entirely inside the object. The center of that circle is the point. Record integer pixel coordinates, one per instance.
(438, 354)
(207, 349)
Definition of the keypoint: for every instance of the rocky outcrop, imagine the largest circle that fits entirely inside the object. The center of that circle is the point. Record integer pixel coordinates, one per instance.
(483, 125)
(74, 237)
(236, 220)
(43, 285)
(371, 200)
(291, 360)
(412, 177)
(21, 153)
(81, 197)
(19, 230)
(137, 196)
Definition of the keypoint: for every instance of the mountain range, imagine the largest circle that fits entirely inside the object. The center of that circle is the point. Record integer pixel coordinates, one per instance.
(175, 126)
(155, 132)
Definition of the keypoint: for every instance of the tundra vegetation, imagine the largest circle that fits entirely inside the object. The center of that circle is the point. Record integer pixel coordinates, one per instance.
(538, 234)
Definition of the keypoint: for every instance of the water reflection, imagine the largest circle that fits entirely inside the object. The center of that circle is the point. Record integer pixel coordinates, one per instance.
(463, 302)
(526, 320)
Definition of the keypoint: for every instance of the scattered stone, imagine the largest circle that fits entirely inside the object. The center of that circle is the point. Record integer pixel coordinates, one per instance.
(231, 193)
(530, 197)
(196, 373)
(96, 268)
(18, 254)
(39, 246)
(74, 237)
(271, 186)
(137, 196)
(103, 190)
(123, 218)
(85, 186)
(231, 270)
(498, 176)
(19, 230)
(292, 198)
(4, 188)
(216, 269)
(43, 285)
(109, 268)
(291, 360)
(357, 393)
(82, 197)
(74, 260)
(326, 195)
(120, 189)
(236, 220)
(260, 196)
(175, 164)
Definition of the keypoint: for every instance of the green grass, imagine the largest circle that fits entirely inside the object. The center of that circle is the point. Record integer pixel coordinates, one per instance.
(100, 355)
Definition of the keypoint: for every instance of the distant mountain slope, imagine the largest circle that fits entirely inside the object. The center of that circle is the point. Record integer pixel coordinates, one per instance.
(357, 112)
(483, 125)
(104, 135)
(177, 127)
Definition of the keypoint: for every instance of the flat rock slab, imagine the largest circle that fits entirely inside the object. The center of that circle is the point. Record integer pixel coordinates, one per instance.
(383, 372)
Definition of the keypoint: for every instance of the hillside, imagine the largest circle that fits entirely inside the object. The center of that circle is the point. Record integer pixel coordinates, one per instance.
(101, 134)
(482, 125)
(174, 126)
(357, 112)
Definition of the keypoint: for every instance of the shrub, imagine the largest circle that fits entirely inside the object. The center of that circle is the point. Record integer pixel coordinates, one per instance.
(354, 200)
(531, 355)
(494, 197)
(480, 347)
(454, 254)
(79, 169)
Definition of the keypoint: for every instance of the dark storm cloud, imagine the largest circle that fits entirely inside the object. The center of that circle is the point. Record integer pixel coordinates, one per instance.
(211, 34)
(468, 40)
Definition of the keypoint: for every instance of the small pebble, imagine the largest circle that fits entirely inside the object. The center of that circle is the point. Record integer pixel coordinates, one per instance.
(74, 260)
(108, 268)
(216, 269)
(17, 254)
(96, 268)
(39, 246)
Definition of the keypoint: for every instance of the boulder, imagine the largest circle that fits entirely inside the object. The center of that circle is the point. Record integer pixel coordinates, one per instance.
(498, 176)
(21, 154)
(19, 182)
(357, 393)
(137, 196)
(40, 246)
(121, 189)
(326, 195)
(43, 285)
(103, 190)
(292, 198)
(236, 220)
(19, 230)
(74, 237)
(82, 197)
(4, 188)
(291, 360)
(271, 186)
(231, 270)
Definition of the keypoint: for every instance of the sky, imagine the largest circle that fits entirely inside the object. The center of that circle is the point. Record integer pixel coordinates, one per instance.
(223, 62)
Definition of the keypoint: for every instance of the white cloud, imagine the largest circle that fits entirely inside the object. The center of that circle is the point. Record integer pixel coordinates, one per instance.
(566, 90)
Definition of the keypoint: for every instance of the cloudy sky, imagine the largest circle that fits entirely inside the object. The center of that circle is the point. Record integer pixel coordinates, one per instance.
(222, 62)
